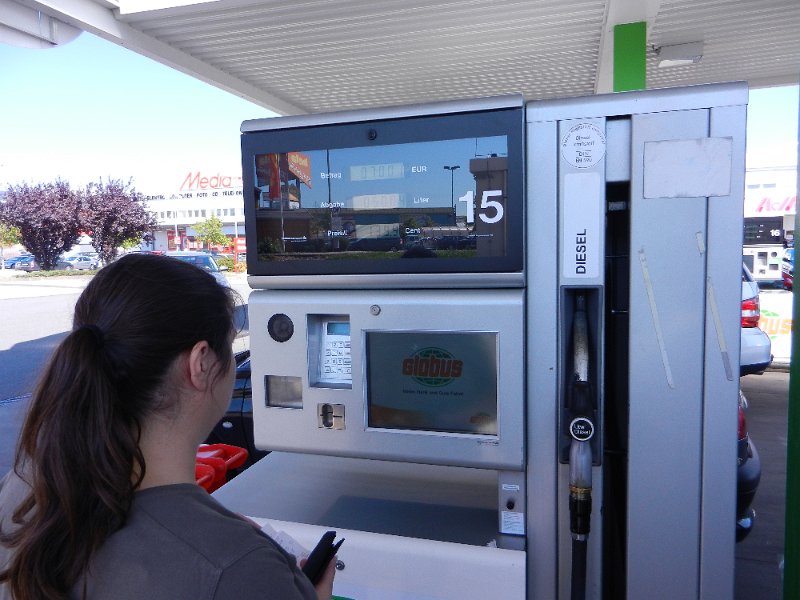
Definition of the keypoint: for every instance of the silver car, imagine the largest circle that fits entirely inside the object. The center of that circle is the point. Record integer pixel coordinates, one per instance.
(79, 262)
(756, 352)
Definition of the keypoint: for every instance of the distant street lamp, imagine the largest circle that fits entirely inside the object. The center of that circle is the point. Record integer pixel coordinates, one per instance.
(452, 195)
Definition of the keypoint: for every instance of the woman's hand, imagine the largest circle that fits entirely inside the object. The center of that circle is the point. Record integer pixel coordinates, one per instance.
(324, 586)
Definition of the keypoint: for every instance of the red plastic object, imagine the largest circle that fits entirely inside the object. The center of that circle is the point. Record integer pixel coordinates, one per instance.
(213, 461)
(205, 475)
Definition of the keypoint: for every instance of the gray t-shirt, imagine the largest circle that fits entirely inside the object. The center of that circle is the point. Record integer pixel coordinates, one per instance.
(179, 543)
(12, 492)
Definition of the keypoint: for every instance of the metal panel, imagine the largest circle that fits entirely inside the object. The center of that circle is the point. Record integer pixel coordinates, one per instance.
(542, 359)
(297, 430)
(722, 380)
(582, 155)
(666, 348)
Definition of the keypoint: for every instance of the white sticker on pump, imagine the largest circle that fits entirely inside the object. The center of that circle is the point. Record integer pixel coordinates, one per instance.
(513, 523)
(580, 226)
(584, 145)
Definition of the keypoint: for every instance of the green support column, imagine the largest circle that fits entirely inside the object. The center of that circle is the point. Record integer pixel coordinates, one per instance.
(630, 46)
(791, 544)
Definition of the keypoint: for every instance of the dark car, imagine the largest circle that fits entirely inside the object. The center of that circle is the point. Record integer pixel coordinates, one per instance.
(787, 269)
(380, 244)
(236, 426)
(748, 475)
(26, 263)
(205, 262)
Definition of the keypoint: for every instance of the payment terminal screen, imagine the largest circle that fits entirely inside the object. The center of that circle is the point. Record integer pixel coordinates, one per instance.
(432, 381)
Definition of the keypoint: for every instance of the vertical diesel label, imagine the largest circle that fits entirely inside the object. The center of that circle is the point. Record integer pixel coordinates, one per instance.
(581, 239)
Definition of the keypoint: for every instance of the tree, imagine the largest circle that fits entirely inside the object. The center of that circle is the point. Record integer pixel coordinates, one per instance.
(47, 216)
(210, 232)
(8, 237)
(114, 212)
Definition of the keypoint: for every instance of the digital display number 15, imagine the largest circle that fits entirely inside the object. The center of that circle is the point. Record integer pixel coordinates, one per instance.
(486, 204)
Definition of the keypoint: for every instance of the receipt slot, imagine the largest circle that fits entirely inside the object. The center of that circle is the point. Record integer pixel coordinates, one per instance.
(493, 343)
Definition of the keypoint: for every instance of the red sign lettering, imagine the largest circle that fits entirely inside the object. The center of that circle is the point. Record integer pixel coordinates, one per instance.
(196, 181)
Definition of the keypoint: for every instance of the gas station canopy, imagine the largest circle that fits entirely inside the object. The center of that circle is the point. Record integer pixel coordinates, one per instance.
(313, 56)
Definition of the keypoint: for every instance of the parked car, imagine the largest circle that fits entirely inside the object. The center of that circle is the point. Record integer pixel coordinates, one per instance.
(787, 269)
(380, 244)
(748, 475)
(26, 263)
(10, 262)
(79, 262)
(755, 357)
(203, 261)
(236, 427)
(756, 348)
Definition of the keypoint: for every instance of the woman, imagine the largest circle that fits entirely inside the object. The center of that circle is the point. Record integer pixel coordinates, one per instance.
(102, 502)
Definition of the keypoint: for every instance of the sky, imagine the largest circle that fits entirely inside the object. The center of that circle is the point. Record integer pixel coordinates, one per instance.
(91, 109)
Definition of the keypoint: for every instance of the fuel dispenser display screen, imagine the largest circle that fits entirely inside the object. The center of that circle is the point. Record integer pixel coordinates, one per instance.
(357, 197)
(432, 381)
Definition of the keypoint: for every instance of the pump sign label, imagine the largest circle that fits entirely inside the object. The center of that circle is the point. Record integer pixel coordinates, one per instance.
(583, 146)
(581, 233)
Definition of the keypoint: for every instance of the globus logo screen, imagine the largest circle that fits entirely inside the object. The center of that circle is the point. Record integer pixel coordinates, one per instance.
(434, 367)
(432, 380)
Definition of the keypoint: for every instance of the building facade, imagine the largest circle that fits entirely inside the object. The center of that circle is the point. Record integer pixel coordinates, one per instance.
(198, 197)
(769, 212)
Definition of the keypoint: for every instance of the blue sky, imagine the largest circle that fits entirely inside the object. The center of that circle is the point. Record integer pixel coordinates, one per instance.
(92, 109)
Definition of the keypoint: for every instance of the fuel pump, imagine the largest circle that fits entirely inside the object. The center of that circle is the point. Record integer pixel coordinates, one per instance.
(484, 420)
(581, 429)
(640, 195)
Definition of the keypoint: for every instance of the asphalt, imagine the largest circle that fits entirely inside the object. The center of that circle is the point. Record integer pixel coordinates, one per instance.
(760, 555)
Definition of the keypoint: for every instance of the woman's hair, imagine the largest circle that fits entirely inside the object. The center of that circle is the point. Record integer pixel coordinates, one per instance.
(79, 447)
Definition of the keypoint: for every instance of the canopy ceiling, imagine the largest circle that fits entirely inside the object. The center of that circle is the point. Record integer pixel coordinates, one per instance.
(310, 56)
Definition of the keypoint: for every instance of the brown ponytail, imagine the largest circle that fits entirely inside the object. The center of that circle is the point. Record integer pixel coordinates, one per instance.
(79, 448)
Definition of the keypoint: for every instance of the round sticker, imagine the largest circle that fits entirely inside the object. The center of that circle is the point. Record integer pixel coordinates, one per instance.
(584, 145)
(582, 429)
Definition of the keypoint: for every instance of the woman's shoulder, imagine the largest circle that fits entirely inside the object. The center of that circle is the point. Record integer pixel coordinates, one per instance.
(177, 530)
(187, 512)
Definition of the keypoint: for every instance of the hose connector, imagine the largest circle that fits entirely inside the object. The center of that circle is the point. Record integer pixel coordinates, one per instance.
(580, 488)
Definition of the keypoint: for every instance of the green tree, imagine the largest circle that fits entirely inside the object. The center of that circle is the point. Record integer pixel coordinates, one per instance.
(210, 232)
(114, 212)
(9, 236)
(47, 216)
(133, 242)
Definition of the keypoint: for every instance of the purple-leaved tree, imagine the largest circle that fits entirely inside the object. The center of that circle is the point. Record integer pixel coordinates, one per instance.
(114, 212)
(48, 217)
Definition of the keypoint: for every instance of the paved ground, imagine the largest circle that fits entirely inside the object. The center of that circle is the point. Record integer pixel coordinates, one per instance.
(758, 557)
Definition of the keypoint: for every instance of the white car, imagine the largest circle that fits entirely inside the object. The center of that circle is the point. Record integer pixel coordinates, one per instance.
(756, 352)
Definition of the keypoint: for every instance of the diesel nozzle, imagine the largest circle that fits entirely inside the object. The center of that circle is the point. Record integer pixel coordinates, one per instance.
(580, 407)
